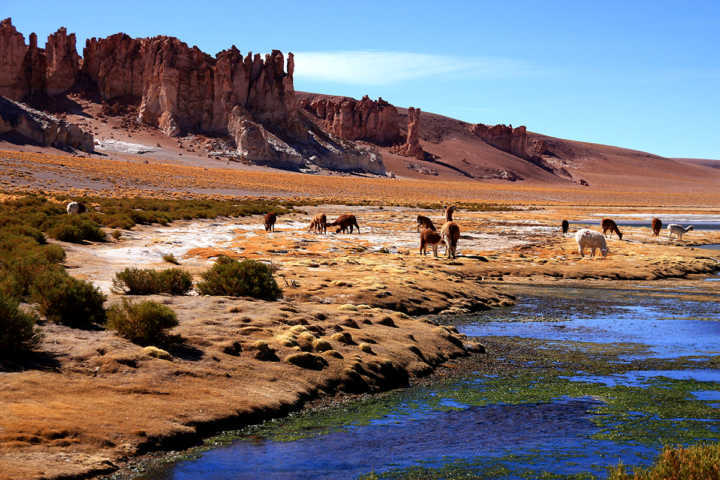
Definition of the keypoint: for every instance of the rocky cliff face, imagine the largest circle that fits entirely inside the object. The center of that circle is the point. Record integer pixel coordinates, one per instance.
(31, 73)
(411, 147)
(504, 137)
(374, 121)
(20, 122)
(12, 58)
(180, 89)
(62, 62)
(518, 142)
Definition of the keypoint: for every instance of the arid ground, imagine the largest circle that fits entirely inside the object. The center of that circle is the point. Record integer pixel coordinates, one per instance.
(350, 320)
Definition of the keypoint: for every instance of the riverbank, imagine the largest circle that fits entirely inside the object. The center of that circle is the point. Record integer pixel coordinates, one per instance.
(569, 389)
(351, 321)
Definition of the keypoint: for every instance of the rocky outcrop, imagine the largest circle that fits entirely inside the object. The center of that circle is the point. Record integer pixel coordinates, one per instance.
(62, 62)
(411, 147)
(12, 58)
(180, 89)
(374, 121)
(503, 137)
(31, 73)
(20, 123)
(257, 145)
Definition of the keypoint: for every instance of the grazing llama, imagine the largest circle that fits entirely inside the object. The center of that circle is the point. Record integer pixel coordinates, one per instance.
(345, 222)
(425, 222)
(270, 220)
(565, 227)
(656, 226)
(431, 238)
(73, 208)
(610, 225)
(678, 230)
(593, 240)
(318, 224)
(450, 233)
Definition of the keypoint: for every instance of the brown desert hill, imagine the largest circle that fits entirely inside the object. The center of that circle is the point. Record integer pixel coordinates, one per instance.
(705, 162)
(244, 109)
(458, 149)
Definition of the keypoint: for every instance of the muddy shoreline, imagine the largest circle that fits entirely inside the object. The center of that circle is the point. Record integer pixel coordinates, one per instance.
(505, 356)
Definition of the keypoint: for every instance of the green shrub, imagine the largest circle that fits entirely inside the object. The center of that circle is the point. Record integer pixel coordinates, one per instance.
(76, 228)
(170, 258)
(175, 281)
(697, 462)
(143, 281)
(68, 301)
(248, 278)
(17, 329)
(137, 281)
(143, 322)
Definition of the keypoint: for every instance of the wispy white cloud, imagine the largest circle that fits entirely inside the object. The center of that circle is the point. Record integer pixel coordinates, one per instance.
(387, 67)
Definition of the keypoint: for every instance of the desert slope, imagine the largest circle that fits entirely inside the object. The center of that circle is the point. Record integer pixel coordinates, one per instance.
(458, 153)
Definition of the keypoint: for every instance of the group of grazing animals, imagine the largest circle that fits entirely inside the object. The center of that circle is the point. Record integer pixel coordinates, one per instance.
(586, 238)
(448, 236)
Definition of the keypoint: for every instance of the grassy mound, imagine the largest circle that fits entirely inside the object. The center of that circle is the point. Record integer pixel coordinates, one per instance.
(141, 323)
(248, 278)
(143, 281)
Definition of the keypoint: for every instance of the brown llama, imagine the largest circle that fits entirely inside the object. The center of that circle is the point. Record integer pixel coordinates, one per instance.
(425, 222)
(450, 233)
(449, 213)
(318, 223)
(656, 226)
(565, 227)
(431, 238)
(610, 225)
(270, 219)
(345, 222)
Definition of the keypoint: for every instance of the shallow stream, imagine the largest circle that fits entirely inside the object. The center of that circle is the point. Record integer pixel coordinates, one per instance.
(596, 377)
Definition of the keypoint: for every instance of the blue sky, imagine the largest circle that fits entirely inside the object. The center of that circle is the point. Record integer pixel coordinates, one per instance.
(638, 74)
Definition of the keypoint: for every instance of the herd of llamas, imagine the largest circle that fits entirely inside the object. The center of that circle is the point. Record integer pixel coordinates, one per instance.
(449, 234)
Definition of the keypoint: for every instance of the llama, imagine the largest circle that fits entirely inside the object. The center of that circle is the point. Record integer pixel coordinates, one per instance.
(593, 240)
(425, 222)
(678, 230)
(449, 213)
(610, 225)
(318, 223)
(270, 220)
(656, 226)
(565, 227)
(432, 238)
(74, 208)
(450, 233)
(344, 222)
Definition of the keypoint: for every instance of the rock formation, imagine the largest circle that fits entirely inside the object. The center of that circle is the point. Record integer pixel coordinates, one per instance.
(62, 62)
(21, 123)
(504, 137)
(12, 59)
(411, 147)
(180, 89)
(374, 121)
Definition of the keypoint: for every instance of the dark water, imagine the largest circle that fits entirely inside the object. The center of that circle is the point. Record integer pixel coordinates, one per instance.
(436, 429)
(710, 246)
